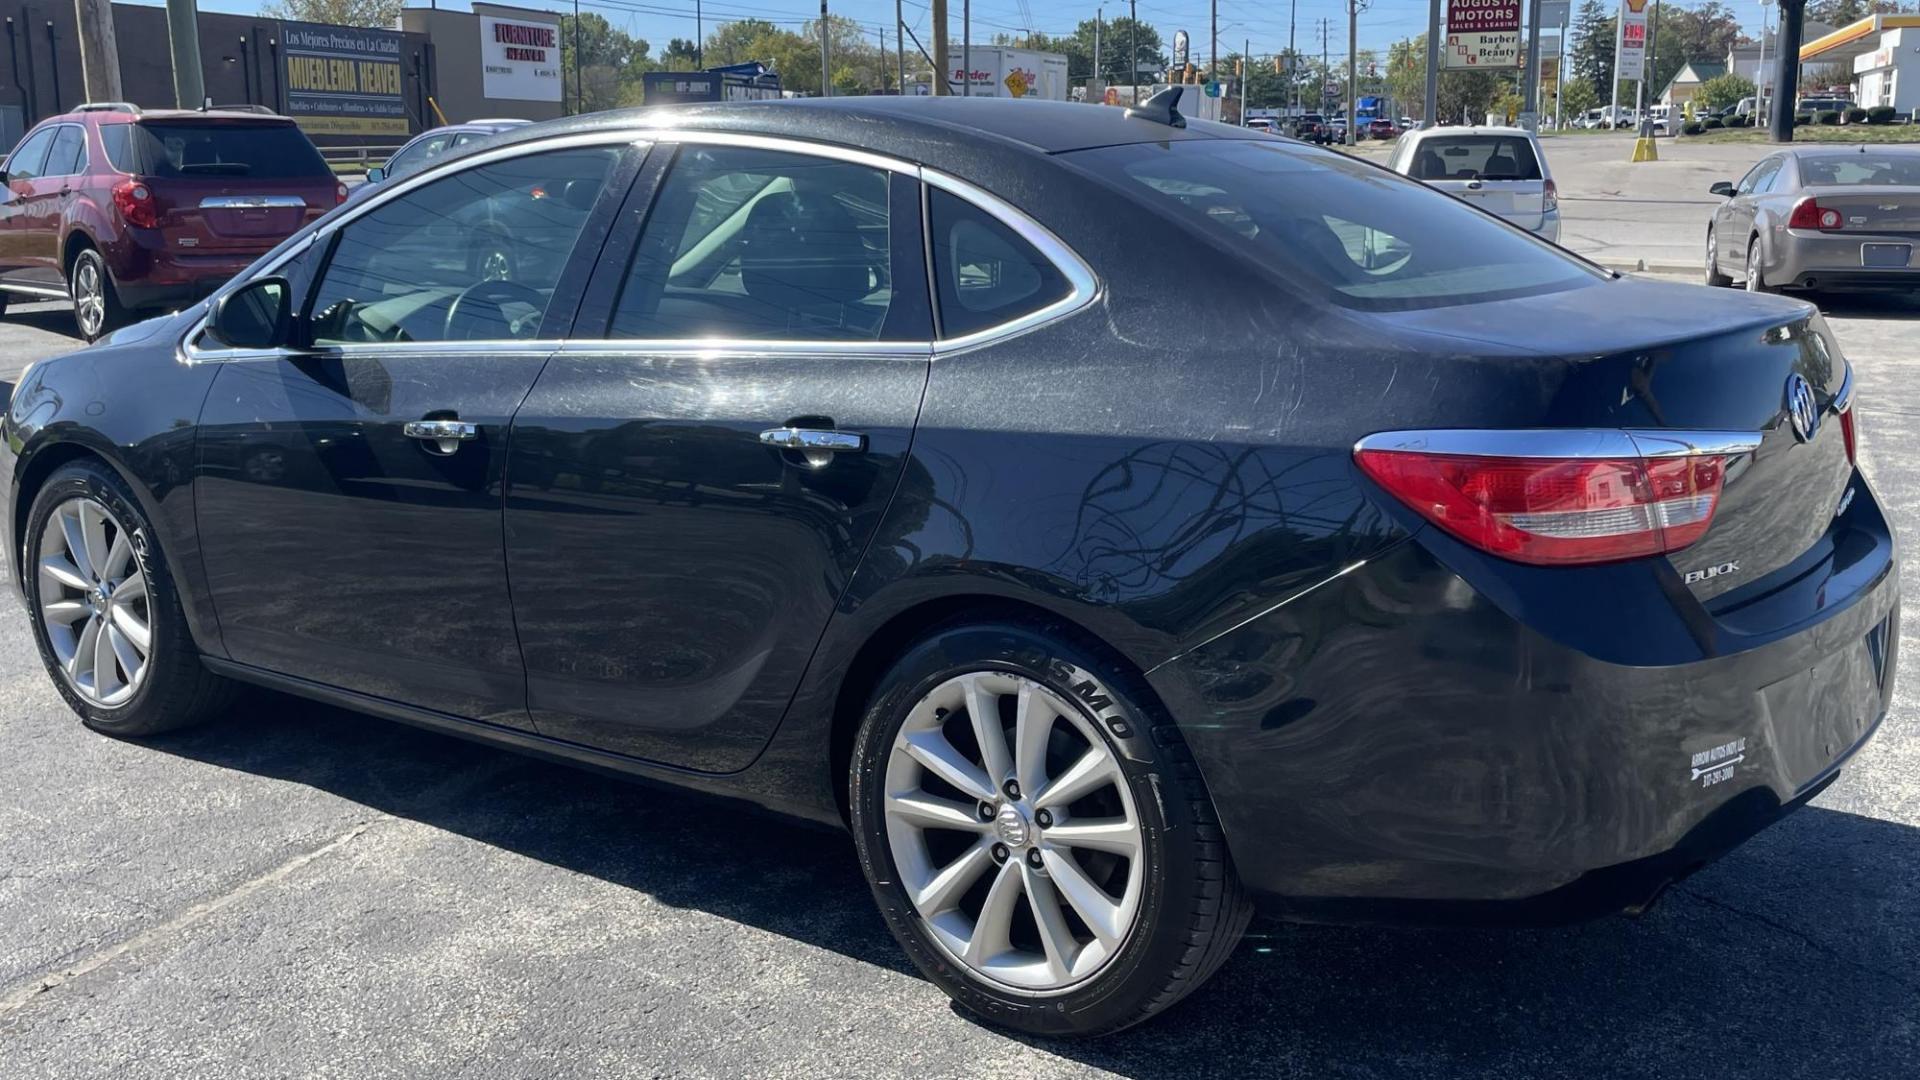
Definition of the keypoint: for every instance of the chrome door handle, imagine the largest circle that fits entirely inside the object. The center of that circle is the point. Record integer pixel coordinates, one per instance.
(445, 435)
(816, 445)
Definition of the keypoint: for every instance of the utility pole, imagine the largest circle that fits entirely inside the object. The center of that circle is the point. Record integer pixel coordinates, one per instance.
(826, 80)
(1613, 110)
(700, 39)
(1560, 65)
(1293, 77)
(183, 38)
(579, 84)
(942, 62)
(1133, 49)
(1431, 116)
(1530, 82)
(1645, 125)
(1353, 78)
(1786, 76)
(1213, 40)
(966, 48)
(1094, 82)
(1326, 64)
(1246, 73)
(99, 54)
(900, 46)
(1760, 70)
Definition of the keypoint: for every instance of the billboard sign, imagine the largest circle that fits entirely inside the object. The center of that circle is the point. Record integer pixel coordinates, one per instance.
(1180, 48)
(1482, 35)
(342, 80)
(519, 59)
(1630, 51)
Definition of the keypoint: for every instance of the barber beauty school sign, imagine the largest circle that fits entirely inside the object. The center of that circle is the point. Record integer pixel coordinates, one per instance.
(1482, 34)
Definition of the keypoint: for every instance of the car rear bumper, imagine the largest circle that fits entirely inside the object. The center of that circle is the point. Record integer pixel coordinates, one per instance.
(1804, 259)
(148, 274)
(1400, 746)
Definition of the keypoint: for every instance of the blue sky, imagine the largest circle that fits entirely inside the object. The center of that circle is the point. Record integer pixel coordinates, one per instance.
(1264, 23)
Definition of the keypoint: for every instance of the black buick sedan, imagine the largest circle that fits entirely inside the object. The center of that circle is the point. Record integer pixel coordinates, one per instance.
(1117, 522)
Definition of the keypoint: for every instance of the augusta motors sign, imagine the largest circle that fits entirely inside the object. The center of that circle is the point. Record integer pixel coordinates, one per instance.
(1482, 34)
(1483, 16)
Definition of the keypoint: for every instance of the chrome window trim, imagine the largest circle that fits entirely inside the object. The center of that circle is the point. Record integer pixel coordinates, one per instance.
(250, 202)
(1085, 285)
(1568, 443)
(1843, 397)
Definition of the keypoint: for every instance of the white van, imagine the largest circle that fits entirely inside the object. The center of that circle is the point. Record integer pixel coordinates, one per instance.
(1499, 169)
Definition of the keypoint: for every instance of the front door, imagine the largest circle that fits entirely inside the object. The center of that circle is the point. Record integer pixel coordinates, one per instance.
(349, 494)
(51, 193)
(689, 495)
(17, 203)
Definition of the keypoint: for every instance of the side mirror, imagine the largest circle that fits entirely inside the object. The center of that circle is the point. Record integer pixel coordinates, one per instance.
(5, 178)
(257, 315)
(375, 174)
(1723, 188)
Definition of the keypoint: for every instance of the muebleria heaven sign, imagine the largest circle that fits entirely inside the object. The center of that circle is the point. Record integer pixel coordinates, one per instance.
(1482, 34)
(519, 59)
(344, 81)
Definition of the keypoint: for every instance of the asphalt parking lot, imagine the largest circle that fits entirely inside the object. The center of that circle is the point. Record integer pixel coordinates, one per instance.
(299, 891)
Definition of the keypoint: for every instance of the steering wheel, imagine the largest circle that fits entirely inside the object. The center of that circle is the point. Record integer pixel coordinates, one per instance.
(495, 295)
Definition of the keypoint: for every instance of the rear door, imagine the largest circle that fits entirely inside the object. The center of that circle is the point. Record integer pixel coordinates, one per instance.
(231, 186)
(1500, 174)
(1736, 218)
(697, 474)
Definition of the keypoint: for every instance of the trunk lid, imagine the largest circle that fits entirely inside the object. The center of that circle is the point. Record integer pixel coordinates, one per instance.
(1498, 173)
(231, 186)
(1635, 354)
(1878, 209)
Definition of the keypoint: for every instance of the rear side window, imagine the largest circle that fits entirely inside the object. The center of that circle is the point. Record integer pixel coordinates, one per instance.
(260, 151)
(29, 159)
(69, 153)
(1367, 237)
(985, 273)
(1475, 157)
(118, 139)
(764, 245)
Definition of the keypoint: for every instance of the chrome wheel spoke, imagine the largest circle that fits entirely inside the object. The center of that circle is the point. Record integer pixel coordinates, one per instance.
(983, 709)
(1090, 902)
(1056, 938)
(133, 628)
(119, 557)
(75, 538)
(123, 651)
(1033, 722)
(938, 756)
(993, 929)
(64, 571)
(952, 882)
(93, 530)
(931, 812)
(1094, 770)
(134, 588)
(84, 651)
(1116, 835)
(65, 612)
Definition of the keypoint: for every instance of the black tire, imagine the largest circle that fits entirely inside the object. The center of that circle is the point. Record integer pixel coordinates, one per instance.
(1192, 909)
(88, 266)
(1715, 278)
(1756, 279)
(176, 690)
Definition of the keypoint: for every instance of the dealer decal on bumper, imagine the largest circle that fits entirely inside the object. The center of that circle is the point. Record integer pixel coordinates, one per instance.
(1716, 765)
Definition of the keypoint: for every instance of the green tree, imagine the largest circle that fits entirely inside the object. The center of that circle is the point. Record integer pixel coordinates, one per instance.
(1723, 90)
(1592, 50)
(1463, 94)
(1114, 41)
(606, 73)
(375, 14)
(739, 42)
(1577, 97)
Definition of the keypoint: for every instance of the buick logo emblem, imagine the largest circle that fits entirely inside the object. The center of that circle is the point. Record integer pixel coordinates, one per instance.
(1011, 827)
(1802, 408)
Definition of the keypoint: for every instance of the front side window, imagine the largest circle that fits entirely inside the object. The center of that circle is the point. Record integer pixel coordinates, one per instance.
(29, 159)
(474, 256)
(984, 272)
(418, 156)
(1475, 157)
(1369, 238)
(764, 245)
(69, 151)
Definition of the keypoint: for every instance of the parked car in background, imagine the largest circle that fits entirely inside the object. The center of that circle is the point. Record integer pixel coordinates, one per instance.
(118, 209)
(1816, 217)
(1312, 127)
(1381, 128)
(1262, 124)
(1501, 170)
(1819, 103)
(425, 148)
(1428, 634)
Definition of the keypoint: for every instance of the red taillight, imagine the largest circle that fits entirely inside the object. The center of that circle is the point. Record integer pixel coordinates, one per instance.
(339, 193)
(1551, 198)
(135, 203)
(1557, 511)
(1850, 434)
(1809, 214)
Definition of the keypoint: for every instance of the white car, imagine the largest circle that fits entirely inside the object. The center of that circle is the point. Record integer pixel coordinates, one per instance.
(1499, 169)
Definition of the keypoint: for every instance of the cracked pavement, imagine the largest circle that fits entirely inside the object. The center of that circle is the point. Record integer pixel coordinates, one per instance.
(300, 891)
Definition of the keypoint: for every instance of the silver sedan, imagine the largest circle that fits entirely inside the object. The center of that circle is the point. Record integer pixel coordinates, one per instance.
(1820, 218)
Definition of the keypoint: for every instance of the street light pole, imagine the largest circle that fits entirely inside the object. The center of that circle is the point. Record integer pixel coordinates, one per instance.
(1432, 114)
(942, 58)
(1293, 77)
(1530, 83)
(900, 46)
(826, 81)
(1133, 48)
(966, 48)
(1353, 79)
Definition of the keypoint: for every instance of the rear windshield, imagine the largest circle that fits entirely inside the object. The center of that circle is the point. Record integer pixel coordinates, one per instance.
(1856, 168)
(1372, 238)
(1475, 157)
(261, 151)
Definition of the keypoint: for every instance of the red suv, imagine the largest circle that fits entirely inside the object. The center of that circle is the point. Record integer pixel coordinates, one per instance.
(119, 209)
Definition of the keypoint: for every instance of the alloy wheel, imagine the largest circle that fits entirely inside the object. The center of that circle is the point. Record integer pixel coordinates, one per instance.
(1753, 269)
(94, 603)
(89, 298)
(1013, 832)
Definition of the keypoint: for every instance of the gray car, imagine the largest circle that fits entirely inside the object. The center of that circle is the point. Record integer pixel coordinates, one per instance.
(1820, 218)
